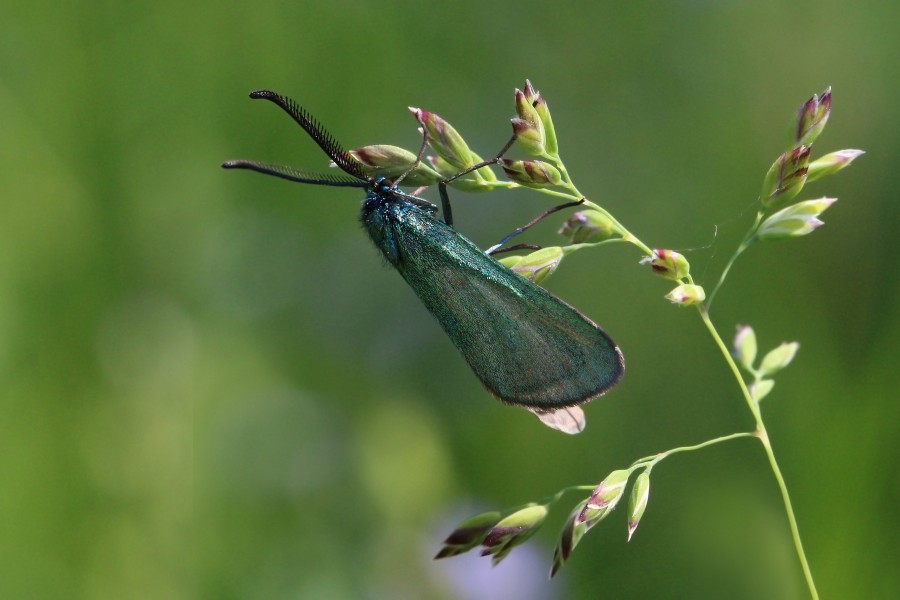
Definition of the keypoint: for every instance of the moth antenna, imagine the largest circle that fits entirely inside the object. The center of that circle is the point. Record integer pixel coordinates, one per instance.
(292, 174)
(316, 131)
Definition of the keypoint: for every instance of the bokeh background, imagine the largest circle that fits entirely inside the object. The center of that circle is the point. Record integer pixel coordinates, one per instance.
(213, 388)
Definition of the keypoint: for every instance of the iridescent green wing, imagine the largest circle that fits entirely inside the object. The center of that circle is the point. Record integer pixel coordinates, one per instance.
(526, 346)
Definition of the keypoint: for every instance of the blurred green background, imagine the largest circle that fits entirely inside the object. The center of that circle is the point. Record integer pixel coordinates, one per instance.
(213, 388)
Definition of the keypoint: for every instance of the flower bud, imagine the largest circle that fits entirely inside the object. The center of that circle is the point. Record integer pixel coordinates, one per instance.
(831, 163)
(640, 494)
(778, 358)
(470, 182)
(444, 139)
(525, 105)
(384, 160)
(786, 176)
(795, 220)
(668, 264)
(604, 498)
(534, 142)
(745, 346)
(536, 266)
(443, 166)
(530, 93)
(529, 137)
(533, 173)
(686, 295)
(811, 117)
(569, 419)
(540, 106)
(571, 534)
(468, 534)
(587, 225)
(760, 389)
(512, 530)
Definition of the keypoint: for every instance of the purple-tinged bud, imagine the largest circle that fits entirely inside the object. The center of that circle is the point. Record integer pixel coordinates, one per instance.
(569, 419)
(668, 264)
(604, 498)
(384, 160)
(786, 176)
(536, 266)
(533, 173)
(760, 389)
(778, 358)
(528, 137)
(468, 534)
(795, 220)
(587, 225)
(445, 140)
(831, 163)
(525, 107)
(540, 106)
(551, 146)
(484, 173)
(640, 494)
(811, 117)
(512, 530)
(571, 534)
(470, 182)
(530, 93)
(531, 135)
(745, 346)
(686, 294)
(443, 166)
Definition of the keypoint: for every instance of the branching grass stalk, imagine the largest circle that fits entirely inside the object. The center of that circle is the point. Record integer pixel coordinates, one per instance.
(777, 218)
(577, 195)
(745, 243)
(752, 404)
(763, 437)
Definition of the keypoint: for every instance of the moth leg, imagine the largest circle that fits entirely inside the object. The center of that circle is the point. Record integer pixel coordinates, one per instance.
(419, 156)
(496, 248)
(442, 186)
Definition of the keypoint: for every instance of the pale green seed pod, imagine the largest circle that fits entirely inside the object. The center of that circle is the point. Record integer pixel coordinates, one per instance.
(760, 389)
(640, 494)
(778, 358)
(794, 221)
(686, 294)
(831, 163)
(745, 346)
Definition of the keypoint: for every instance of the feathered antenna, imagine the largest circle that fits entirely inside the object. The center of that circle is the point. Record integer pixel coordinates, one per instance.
(355, 177)
(319, 134)
(292, 174)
